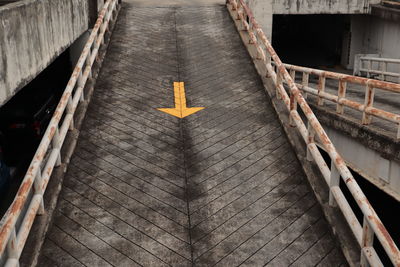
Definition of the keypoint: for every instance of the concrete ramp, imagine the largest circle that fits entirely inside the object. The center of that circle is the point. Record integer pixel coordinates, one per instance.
(220, 186)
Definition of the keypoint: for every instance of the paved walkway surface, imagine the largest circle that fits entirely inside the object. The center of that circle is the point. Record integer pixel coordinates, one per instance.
(220, 187)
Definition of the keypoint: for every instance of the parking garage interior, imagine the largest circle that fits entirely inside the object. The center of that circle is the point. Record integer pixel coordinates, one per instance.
(319, 41)
(23, 121)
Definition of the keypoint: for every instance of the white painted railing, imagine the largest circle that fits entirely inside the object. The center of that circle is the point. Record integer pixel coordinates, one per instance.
(16, 224)
(376, 67)
(264, 54)
(341, 100)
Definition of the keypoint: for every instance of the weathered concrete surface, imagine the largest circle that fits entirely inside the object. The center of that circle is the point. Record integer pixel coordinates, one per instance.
(176, 3)
(32, 34)
(221, 187)
(264, 10)
(375, 34)
(322, 6)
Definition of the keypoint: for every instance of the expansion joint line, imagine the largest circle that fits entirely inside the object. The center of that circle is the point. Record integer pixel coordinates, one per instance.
(182, 134)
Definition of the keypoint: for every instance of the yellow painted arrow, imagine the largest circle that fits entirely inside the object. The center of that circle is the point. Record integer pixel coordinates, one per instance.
(180, 110)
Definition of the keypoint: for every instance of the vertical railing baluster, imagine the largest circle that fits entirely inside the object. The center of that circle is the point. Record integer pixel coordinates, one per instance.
(88, 59)
(293, 106)
(304, 82)
(279, 83)
(368, 68)
(341, 95)
(368, 102)
(81, 84)
(334, 181)
(310, 140)
(12, 245)
(321, 89)
(293, 75)
(268, 62)
(383, 69)
(367, 241)
(56, 145)
(71, 112)
(37, 187)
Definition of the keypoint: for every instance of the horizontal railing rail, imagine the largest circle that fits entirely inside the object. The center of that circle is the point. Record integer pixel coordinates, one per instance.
(379, 68)
(263, 54)
(366, 107)
(16, 224)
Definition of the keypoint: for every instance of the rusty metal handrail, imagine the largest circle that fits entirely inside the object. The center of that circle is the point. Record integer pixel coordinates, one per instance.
(17, 222)
(382, 69)
(367, 108)
(262, 51)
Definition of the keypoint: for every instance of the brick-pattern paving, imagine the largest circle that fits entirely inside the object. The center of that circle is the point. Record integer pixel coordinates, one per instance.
(220, 187)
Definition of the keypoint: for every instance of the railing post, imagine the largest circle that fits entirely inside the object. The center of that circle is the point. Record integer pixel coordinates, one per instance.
(304, 82)
(37, 186)
(12, 245)
(278, 83)
(399, 74)
(87, 62)
(383, 69)
(268, 62)
(341, 94)
(293, 75)
(239, 13)
(367, 241)
(310, 140)
(369, 100)
(334, 181)
(81, 84)
(321, 88)
(70, 111)
(56, 145)
(293, 106)
(369, 67)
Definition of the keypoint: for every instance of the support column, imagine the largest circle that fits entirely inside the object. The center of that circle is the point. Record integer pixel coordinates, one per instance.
(263, 12)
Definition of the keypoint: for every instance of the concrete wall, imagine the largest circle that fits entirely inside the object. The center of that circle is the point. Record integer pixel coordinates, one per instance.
(380, 171)
(32, 34)
(263, 12)
(375, 35)
(265, 9)
(321, 6)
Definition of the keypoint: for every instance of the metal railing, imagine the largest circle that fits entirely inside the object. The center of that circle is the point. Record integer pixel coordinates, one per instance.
(263, 53)
(367, 108)
(377, 67)
(16, 224)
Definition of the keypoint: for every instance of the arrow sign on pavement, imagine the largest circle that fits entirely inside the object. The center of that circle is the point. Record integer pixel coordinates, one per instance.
(180, 110)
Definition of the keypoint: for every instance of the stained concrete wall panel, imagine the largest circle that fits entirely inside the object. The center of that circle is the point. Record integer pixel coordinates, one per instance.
(319, 6)
(375, 35)
(32, 34)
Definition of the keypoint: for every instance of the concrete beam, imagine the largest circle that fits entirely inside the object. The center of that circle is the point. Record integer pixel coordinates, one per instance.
(297, 7)
(387, 13)
(32, 34)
